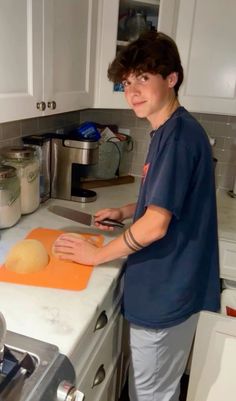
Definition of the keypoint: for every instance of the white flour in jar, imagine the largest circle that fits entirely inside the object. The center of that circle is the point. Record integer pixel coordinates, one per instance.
(10, 214)
(29, 182)
(10, 204)
(24, 160)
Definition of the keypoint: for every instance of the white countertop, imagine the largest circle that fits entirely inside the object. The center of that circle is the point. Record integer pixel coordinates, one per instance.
(59, 316)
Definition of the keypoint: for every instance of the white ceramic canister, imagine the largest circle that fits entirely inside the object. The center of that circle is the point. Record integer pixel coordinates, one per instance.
(26, 161)
(10, 203)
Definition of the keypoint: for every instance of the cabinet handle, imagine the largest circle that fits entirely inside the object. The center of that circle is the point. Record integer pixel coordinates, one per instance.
(99, 376)
(41, 106)
(52, 105)
(101, 321)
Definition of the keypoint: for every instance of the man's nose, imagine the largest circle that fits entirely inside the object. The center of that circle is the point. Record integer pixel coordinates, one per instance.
(133, 88)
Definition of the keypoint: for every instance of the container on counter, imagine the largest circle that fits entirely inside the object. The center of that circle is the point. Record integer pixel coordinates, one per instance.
(26, 162)
(42, 144)
(135, 24)
(10, 202)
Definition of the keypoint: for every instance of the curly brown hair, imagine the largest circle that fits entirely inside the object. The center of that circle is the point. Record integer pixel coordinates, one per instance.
(153, 52)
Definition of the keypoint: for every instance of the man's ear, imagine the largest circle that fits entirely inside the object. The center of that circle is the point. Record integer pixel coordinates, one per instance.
(172, 79)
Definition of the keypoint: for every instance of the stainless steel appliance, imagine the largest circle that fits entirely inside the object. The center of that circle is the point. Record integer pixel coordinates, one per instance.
(70, 157)
(32, 370)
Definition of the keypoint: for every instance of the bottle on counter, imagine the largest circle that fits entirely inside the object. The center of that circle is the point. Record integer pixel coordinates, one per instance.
(26, 162)
(10, 202)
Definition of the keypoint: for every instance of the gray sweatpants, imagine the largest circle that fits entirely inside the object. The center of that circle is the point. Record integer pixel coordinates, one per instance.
(158, 360)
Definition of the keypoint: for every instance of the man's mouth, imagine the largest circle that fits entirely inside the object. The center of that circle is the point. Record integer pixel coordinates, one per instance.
(139, 103)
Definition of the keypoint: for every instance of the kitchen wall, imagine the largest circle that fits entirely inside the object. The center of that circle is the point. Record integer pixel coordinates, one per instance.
(222, 128)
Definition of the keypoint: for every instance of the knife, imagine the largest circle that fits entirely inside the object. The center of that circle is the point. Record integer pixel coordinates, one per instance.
(81, 217)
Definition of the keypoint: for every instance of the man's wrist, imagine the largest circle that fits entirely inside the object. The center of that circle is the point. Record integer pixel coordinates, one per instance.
(127, 211)
(122, 214)
(96, 259)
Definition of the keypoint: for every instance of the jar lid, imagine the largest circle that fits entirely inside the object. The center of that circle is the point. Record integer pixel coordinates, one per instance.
(18, 152)
(7, 172)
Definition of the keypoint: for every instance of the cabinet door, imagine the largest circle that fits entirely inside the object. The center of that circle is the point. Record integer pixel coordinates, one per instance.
(100, 373)
(20, 62)
(69, 54)
(227, 250)
(212, 375)
(111, 14)
(206, 34)
(106, 50)
(109, 392)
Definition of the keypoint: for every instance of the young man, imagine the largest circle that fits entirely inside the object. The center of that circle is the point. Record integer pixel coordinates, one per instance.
(172, 271)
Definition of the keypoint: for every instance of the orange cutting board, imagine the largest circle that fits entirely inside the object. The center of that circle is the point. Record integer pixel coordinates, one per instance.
(57, 274)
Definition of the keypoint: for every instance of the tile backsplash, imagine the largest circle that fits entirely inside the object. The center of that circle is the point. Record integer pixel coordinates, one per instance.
(221, 128)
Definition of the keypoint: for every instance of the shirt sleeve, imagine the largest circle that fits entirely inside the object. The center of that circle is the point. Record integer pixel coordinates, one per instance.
(169, 177)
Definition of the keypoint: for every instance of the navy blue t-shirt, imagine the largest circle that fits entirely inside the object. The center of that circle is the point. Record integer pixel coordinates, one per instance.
(178, 275)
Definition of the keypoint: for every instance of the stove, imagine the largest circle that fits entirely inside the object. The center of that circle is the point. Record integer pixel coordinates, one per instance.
(33, 370)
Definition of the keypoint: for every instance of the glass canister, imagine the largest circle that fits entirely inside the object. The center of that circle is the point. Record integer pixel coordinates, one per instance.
(26, 161)
(10, 203)
(135, 24)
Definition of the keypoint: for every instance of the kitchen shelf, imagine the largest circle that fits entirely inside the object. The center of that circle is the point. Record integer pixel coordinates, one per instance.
(150, 6)
(122, 42)
(126, 179)
(127, 10)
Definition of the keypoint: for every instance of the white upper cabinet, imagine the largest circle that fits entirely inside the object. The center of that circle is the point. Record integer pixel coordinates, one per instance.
(69, 54)
(206, 37)
(21, 58)
(47, 56)
(114, 31)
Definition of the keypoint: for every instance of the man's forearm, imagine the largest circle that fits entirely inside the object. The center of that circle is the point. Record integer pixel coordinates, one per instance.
(152, 226)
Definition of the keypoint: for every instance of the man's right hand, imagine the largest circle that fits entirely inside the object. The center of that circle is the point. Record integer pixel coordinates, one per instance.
(112, 213)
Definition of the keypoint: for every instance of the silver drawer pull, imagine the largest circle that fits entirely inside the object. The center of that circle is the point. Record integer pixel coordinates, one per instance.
(41, 106)
(99, 376)
(52, 105)
(102, 321)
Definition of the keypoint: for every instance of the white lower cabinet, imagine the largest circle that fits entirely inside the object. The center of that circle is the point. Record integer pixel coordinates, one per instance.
(227, 251)
(212, 376)
(99, 379)
(98, 357)
(110, 390)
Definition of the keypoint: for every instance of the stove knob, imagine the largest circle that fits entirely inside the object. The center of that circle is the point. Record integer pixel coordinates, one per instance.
(67, 392)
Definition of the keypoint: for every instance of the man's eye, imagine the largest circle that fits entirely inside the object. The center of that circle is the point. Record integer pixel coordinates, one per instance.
(143, 78)
(125, 84)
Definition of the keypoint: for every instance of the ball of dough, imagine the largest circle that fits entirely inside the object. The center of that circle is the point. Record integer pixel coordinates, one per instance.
(27, 256)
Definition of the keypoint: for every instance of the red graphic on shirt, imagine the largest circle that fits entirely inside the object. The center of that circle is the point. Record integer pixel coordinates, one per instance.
(145, 170)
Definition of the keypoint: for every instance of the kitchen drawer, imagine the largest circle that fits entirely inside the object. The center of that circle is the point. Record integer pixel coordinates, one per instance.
(109, 393)
(98, 326)
(102, 365)
(227, 260)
